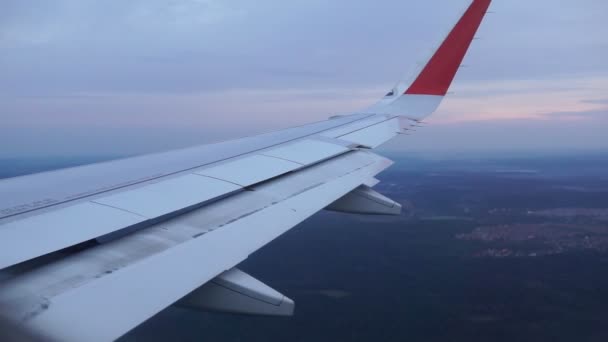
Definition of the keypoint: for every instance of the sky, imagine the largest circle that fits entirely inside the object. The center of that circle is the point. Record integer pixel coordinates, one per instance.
(82, 77)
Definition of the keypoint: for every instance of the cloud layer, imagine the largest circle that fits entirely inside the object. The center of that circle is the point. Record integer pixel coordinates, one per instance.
(209, 70)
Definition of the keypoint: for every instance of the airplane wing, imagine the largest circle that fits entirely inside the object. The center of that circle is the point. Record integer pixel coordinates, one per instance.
(90, 252)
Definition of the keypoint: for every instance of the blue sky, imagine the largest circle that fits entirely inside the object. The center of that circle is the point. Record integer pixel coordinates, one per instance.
(124, 77)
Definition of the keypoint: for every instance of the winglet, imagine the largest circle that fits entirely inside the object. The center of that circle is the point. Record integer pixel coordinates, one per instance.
(437, 75)
(420, 95)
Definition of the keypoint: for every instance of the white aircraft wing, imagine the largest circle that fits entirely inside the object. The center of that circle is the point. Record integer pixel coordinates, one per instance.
(88, 253)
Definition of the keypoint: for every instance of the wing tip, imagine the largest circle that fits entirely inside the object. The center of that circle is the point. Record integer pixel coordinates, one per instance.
(438, 73)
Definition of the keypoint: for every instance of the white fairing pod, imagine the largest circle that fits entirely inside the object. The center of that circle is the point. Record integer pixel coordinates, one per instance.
(234, 291)
(364, 200)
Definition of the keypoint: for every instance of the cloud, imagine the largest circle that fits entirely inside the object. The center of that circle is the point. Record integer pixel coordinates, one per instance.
(160, 46)
(520, 99)
(596, 101)
(600, 114)
(237, 66)
(548, 135)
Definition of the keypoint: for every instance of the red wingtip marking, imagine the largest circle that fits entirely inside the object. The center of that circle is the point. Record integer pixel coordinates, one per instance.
(437, 75)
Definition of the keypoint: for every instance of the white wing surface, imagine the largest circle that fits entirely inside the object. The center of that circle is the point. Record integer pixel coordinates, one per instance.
(90, 252)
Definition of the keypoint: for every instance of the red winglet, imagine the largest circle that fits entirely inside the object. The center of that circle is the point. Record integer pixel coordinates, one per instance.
(437, 75)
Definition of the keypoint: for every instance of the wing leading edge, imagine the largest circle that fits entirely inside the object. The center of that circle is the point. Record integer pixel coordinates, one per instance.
(128, 238)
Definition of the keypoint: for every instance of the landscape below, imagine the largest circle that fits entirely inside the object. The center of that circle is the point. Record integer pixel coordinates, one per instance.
(497, 249)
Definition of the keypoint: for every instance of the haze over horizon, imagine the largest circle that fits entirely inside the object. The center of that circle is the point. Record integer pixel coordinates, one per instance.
(116, 78)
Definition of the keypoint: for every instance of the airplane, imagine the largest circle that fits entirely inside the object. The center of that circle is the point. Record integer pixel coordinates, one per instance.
(90, 252)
